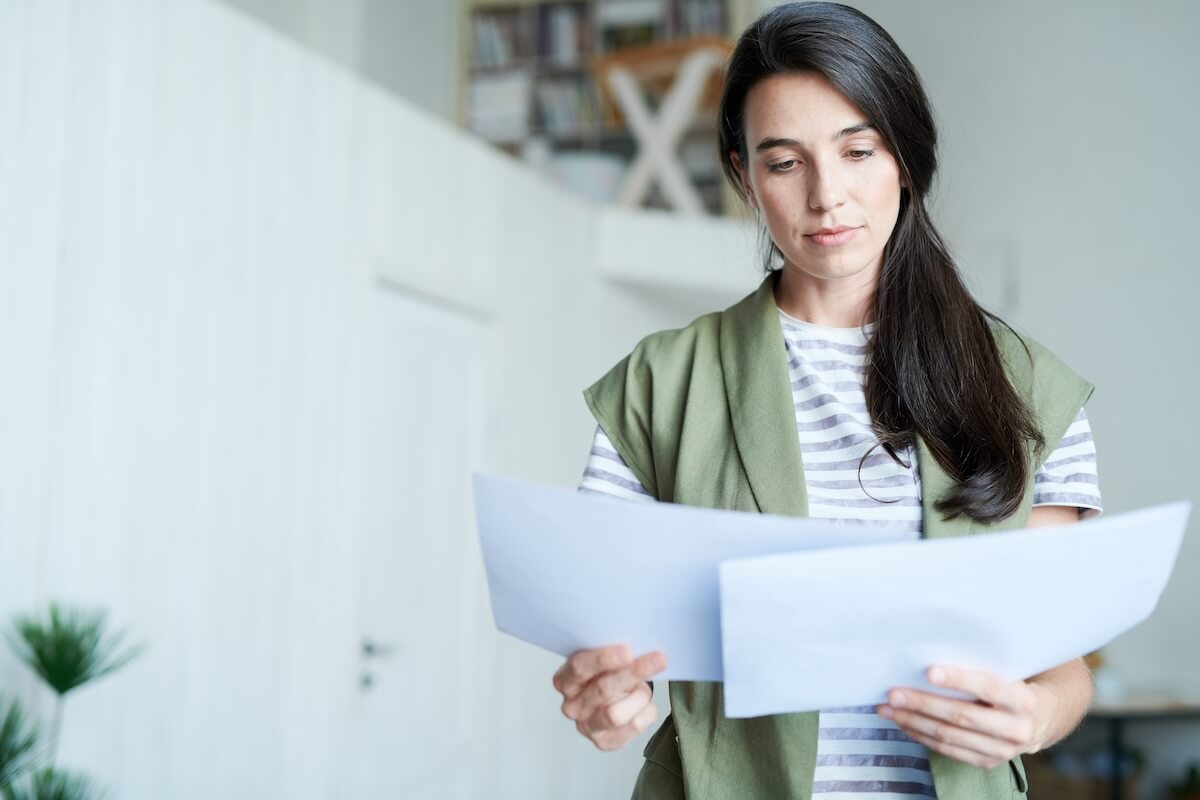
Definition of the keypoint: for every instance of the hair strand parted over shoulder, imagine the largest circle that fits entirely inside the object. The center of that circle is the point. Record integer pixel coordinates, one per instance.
(934, 370)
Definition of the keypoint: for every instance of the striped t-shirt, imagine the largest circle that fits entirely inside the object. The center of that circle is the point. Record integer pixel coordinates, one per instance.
(859, 753)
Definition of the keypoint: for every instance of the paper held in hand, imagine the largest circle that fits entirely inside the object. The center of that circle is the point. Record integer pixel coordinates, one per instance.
(799, 614)
(803, 632)
(570, 571)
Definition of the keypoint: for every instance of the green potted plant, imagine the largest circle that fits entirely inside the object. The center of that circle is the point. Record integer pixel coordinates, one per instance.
(66, 648)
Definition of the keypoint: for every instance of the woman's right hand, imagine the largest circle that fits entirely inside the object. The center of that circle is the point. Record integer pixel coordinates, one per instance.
(605, 692)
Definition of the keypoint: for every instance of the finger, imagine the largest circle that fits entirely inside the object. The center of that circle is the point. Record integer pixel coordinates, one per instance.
(930, 729)
(603, 691)
(609, 687)
(990, 688)
(994, 722)
(623, 711)
(584, 665)
(962, 754)
(616, 738)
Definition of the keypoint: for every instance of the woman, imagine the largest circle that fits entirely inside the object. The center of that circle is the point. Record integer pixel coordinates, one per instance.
(860, 383)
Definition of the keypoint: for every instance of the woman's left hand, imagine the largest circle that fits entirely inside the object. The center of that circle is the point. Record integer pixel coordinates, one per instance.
(1009, 718)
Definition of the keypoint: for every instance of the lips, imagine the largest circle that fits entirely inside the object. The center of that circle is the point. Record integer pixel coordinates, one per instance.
(832, 237)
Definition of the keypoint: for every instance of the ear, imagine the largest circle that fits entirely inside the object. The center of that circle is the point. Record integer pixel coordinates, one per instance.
(744, 177)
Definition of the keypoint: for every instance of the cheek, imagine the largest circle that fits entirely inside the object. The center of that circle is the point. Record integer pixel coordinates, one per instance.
(881, 197)
(782, 203)
(771, 205)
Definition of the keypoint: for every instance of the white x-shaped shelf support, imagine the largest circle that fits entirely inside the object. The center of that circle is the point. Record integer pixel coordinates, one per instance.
(657, 139)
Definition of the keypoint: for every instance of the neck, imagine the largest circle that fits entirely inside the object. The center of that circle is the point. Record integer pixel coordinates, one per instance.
(833, 302)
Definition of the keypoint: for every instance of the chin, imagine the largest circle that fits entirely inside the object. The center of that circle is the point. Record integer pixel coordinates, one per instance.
(831, 267)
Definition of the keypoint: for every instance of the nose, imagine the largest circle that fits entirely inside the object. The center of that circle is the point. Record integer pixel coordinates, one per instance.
(826, 191)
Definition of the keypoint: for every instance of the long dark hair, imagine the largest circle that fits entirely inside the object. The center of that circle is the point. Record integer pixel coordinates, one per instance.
(934, 370)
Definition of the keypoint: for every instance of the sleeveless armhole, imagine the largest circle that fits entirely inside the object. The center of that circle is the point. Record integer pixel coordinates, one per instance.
(1069, 475)
(620, 404)
(607, 473)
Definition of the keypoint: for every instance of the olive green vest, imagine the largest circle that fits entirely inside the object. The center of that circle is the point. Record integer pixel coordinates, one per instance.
(704, 416)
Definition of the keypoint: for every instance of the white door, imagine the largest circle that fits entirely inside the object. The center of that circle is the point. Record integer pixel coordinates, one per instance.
(419, 434)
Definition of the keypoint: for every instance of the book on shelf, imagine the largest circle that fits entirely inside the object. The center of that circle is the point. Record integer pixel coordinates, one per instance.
(568, 107)
(498, 105)
(499, 39)
(561, 35)
(701, 18)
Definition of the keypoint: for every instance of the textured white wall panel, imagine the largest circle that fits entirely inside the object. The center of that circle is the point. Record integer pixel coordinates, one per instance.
(257, 321)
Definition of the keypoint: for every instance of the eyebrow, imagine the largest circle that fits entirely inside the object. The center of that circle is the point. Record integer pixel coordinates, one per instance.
(767, 144)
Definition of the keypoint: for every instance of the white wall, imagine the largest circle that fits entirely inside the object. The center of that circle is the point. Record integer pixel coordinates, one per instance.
(1065, 161)
(222, 260)
(409, 47)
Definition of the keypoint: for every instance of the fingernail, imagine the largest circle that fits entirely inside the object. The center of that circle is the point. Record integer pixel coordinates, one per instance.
(897, 700)
(937, 675)
(886, 712)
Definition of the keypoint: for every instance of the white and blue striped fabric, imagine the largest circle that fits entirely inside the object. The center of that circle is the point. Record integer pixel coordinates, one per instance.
(861, 755)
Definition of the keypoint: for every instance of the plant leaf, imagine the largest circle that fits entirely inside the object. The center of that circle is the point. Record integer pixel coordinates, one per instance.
(69, 646)
(18, 742)
(56, 784)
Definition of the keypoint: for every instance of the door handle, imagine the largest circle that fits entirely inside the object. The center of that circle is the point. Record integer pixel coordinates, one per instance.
(372, 649)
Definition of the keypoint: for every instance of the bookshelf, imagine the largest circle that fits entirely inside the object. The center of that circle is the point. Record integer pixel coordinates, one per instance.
(529, 82)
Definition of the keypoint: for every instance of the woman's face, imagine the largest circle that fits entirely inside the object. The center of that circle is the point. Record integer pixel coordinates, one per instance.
(823, 179)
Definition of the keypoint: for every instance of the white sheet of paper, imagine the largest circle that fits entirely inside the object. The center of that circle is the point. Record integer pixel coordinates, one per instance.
(841, 627)
(568, 571)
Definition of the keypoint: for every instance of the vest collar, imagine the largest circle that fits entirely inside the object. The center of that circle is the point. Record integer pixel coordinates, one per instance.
(758, 385)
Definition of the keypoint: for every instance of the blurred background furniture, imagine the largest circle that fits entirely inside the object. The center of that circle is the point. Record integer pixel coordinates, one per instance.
(1117, 715)
(1075, 771)
(683, 78)
(537, 82)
